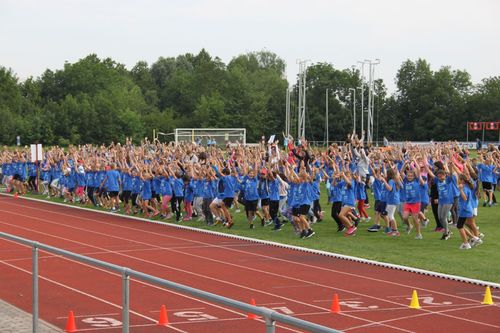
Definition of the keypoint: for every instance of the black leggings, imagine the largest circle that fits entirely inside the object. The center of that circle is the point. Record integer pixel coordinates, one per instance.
(32, 182)
(336, 208)
(461, 222)
(434, 207)
(134, 199)
(90, 194)
(317, 209)
(175, 203)
(367, 181)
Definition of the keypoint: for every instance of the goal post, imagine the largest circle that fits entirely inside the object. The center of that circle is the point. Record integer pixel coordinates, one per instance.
(210, 136)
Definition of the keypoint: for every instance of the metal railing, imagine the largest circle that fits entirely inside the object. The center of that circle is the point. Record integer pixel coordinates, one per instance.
(270, 316)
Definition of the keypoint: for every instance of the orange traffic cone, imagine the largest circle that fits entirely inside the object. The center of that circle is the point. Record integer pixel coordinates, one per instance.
(70, 324)
(335, 304)
(252, 315)
(163, 321)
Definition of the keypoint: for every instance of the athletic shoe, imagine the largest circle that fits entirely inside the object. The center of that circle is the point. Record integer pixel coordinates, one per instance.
(490, 204)
(186, 219)
(368, 219)
(230, 225)
(476, 242)
(356, 222)
(341, 228)
(310, 233)
(409, 228)
(387, 230)
(425, 223)
(367, 205)
(481, 235)
(465, 246)
(439, 229)
(395, 233)
(351, 230)
(374, 228)
(484, 204)
(277, 227)
(238, 210)
(419, 236)
(303, 234)
(446, 235)
(251, 226)
(269, 223)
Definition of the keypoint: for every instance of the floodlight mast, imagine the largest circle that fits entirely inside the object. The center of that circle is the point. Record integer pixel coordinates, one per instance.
(301, 109)
(353, 100)
(362, 95)
(371, 98)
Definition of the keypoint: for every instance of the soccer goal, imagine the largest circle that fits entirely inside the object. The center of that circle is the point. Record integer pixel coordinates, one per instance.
(211, 136)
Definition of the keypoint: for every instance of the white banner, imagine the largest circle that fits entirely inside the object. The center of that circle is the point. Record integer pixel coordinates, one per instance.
(36, 152)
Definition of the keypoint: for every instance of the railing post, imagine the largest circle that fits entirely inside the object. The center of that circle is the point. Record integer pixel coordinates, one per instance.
(34, 300)
(270, 323)
(125, 300)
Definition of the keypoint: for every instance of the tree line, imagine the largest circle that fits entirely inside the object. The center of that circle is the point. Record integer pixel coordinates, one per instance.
(99, 100)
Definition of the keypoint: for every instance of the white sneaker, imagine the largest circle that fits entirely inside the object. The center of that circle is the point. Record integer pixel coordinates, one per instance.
(481, 235)
(465, 246)
(419, 236)
(476, 241)
(238, 210)
(425, 223)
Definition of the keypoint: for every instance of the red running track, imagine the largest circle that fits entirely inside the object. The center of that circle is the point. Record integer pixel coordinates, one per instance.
(373, 299)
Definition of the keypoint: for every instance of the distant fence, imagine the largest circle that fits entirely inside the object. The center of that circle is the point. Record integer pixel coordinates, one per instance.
(270, 316)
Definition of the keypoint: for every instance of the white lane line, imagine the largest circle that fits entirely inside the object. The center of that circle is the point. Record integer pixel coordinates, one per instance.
(87, 294)
(92, 315)
(192, 273)
(244, 315)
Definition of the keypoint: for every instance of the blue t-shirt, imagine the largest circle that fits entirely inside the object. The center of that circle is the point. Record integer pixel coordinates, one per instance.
(274, 190)
(360, 191)
(335, 194)
(465, 207)
(393, 194)
(446, 193)
(424, 194)
(250, 186)
(126, 181)
(165, 187)
(347, 193)
(113, 180)
(177, 186)
(412, 190)
(486, 173)
(189, 191)
(146, 192)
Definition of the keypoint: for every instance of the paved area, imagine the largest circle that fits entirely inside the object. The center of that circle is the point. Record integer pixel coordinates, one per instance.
(14, 320)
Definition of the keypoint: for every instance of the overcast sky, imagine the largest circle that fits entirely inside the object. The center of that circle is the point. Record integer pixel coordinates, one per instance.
(40, 34)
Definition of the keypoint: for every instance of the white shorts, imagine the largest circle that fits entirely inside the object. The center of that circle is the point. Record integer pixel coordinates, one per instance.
(391, 209)
(474, 212)
(217, 201)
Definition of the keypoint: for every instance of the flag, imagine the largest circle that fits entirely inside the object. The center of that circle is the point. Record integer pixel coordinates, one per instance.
(491, 126)
(475, 126)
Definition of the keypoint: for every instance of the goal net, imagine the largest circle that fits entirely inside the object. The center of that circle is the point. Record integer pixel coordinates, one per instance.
(211, 136)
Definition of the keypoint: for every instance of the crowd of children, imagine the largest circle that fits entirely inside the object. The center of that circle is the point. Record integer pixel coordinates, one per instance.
(272, 184)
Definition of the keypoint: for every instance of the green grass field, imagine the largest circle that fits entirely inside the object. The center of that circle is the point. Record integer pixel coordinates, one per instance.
(430, 253)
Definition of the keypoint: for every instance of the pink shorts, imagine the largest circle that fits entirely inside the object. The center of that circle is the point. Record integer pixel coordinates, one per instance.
(165, 200)
(79, 191)
(412, 208)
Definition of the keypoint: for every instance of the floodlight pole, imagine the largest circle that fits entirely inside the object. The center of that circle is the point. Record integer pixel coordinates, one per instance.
(362, 95)
(326, 116)
(353, 100)
(301, 130)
